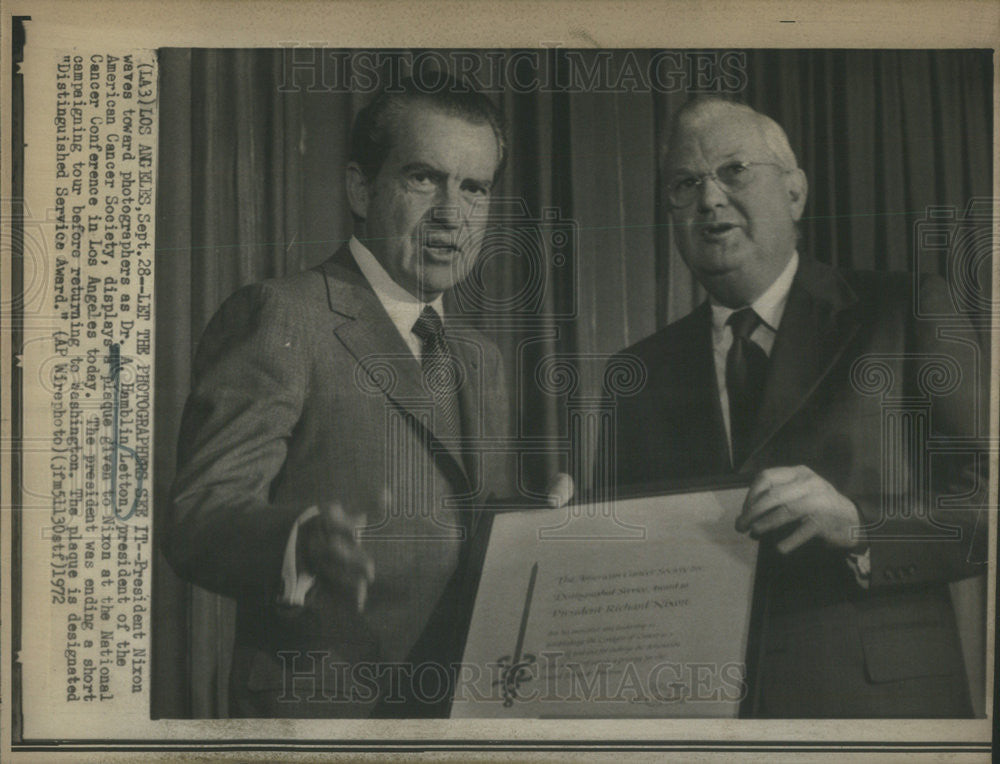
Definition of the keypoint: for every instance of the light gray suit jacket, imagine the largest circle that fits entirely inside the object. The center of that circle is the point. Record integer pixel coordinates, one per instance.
(304, 393)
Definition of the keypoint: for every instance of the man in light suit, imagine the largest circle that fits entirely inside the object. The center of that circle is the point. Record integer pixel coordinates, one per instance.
(328, 472)
(823, 388)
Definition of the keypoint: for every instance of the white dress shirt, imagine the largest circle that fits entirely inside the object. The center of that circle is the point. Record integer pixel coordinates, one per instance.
(404, 309)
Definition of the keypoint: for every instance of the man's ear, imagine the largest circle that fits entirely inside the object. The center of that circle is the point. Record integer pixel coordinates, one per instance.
(358, 191)
(798, 191)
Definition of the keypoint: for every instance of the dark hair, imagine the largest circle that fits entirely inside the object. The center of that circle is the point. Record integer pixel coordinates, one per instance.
(372, 132)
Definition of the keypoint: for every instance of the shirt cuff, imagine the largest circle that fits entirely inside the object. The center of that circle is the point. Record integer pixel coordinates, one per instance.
(861, 567)
(296, 584)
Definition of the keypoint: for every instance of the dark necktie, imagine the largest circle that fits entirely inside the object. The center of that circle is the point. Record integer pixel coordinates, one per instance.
(441, 372)
(442, 377)
(746, 367)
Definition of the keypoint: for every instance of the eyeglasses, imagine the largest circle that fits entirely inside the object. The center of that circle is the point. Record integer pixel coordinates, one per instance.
(731, 176)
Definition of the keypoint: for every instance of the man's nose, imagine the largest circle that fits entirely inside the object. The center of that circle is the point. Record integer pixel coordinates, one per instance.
(711, 194)
(448, 206)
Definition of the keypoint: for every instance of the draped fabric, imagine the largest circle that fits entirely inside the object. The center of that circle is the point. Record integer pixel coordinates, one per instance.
(251, 187)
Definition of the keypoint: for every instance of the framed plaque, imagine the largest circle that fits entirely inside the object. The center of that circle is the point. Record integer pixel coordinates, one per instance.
(629, 609)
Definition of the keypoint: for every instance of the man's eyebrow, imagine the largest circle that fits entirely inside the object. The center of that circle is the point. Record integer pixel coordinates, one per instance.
(430, 169)
(680, 170)
(735, 153)
(423, 166)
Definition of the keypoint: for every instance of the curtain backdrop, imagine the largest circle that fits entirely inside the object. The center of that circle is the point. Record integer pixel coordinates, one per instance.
(251, 187)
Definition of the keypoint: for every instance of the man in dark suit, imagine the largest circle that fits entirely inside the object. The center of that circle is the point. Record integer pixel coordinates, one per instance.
(328, 467)
(823, 388)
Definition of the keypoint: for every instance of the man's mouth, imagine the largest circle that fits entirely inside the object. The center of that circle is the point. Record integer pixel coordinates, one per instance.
(439, 245)
(715, 231)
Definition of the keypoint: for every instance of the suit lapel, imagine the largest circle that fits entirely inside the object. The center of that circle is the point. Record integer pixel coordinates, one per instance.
(369, 335)
(817, 326)
(470, 401)
(692, 364)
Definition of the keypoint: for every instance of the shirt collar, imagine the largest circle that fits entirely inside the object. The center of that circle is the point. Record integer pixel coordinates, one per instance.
(770, 306)
(403, 308)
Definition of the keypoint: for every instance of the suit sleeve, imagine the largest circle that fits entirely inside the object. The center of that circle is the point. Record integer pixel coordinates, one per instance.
(939, 531)
(250, 378)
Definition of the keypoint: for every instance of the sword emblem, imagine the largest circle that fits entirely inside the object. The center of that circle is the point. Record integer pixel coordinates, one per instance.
(515, 669)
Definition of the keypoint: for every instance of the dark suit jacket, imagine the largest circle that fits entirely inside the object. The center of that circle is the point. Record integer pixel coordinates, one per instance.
(849, 393)
(304, 393)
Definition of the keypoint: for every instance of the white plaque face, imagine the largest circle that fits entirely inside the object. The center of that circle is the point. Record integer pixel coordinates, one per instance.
(640, 611)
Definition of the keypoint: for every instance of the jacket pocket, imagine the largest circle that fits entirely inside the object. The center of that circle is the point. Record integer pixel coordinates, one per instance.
(908, 651)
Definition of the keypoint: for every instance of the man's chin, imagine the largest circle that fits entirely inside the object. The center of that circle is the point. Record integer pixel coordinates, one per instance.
(722, 277)
(719, 261)
(433, 285)
(719, 268)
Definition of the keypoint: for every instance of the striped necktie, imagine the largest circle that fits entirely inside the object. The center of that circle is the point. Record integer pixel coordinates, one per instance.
(442, 375)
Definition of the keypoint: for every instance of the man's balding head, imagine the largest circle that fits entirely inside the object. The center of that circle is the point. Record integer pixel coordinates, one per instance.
(699, 111)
